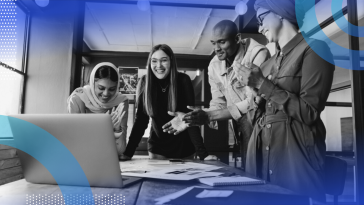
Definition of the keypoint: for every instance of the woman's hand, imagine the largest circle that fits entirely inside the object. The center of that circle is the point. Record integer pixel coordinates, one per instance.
(124, 158)
(116, 119)
(249, 74)
(176, 125)
(257, 99)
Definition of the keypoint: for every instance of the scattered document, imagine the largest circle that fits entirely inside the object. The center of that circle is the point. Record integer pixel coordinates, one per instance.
(158, 162)
(173, 174)
(169, 197)
(214, 193)
(144, 165)
(230, 181)
(206, 196)
(163, 169)
(156, 165)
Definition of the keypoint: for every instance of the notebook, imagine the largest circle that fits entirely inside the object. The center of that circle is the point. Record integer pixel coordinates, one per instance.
(239, 198)
(230, 181)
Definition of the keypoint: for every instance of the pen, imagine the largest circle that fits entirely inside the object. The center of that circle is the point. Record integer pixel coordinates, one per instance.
(231, 174)
(139, 172)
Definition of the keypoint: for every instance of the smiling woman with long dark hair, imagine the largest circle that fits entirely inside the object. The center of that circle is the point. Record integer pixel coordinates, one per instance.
(161, 90)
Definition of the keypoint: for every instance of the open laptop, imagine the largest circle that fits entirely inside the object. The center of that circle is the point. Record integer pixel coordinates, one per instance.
(90, 139)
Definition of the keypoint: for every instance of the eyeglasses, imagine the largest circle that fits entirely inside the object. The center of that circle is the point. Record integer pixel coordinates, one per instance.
(161, 61)
(260, 19)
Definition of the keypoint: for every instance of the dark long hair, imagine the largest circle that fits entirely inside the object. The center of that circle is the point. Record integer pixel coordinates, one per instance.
(107, 72)
(151, 85)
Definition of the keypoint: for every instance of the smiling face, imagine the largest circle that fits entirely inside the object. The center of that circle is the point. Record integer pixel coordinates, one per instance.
(160, 64)
(105, 89)
(270, 24)
(225, 45)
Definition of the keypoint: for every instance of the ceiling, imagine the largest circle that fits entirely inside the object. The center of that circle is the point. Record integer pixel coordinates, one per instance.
(124, 27)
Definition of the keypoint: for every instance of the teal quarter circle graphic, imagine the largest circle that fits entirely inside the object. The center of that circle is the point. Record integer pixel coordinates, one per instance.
(29, 138)
(343, 24)
(312, 20)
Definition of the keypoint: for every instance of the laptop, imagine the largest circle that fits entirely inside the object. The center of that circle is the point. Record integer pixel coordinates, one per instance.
(89, 138)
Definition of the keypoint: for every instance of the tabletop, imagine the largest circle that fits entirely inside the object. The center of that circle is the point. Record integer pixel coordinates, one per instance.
(152, 188)
(23, 193)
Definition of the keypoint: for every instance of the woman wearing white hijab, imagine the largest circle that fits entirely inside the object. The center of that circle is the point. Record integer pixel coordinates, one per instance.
(102, 96)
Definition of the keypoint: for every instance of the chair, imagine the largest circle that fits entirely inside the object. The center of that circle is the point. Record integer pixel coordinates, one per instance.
(335, 174)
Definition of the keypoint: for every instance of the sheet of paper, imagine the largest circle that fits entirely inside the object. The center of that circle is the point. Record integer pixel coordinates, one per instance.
(143, 165)
(175, 195)
(141, 157)
(172, 175)
(156, 165)
(167, 198)
(158, 162)
(197, 167)
(214, 193)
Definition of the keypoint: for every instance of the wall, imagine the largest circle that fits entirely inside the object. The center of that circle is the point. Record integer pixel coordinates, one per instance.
(49, 61)
(48, 72)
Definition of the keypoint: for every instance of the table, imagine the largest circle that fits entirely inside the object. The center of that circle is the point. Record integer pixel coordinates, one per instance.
(152, 189)
(141, 193)
(16, 193)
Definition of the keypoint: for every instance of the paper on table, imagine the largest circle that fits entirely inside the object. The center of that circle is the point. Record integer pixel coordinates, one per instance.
(143, 165)
(142, 157)
(175, 195)
(173, 175)
(214, 193)
(156, 165)
(191, 166)
(158, 162)
(227, 181)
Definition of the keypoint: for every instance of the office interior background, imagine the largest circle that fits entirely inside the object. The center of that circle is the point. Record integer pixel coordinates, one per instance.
(53, 49)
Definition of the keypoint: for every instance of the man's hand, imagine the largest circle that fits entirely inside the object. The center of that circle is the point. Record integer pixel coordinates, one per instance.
(249, 74)
(197, 117)
(176, 125)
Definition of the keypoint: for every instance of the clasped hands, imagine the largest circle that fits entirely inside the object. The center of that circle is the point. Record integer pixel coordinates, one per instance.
(116, 118)
(249, 74)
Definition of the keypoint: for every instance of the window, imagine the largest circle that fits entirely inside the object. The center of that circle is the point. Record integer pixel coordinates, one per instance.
(337, 118)
(13, 39)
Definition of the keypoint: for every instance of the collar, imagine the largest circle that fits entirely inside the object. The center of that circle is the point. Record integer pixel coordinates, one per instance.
(292, 44)
(239, 54)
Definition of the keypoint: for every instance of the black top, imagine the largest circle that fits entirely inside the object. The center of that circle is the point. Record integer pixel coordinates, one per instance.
(159, 142)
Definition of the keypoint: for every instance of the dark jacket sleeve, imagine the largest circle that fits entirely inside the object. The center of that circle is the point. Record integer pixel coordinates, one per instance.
(140, 124)
(317, 76)
(194, 132)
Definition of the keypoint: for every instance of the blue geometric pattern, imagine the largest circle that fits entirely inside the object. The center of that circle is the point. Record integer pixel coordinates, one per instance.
(312, 20)
(30, 138)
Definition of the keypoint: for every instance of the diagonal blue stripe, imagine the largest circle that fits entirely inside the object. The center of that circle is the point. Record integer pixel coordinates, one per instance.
(312, 19)
(343, 23)
(30, 138)
(5, 130)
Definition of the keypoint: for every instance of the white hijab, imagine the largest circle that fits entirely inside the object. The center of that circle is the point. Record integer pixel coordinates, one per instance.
(88, 96)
